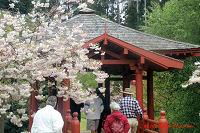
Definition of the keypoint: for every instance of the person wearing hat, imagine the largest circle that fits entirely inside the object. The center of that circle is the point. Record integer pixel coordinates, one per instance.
(130, 108)
(47, 119)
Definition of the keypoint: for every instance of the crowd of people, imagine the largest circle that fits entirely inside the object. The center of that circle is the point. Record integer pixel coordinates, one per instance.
(118, 117)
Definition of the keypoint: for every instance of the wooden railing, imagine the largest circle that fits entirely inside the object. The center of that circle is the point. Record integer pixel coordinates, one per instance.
(150, 125)
(73, 124)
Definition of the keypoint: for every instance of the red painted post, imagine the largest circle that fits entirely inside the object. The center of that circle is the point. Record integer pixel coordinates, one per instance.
(32, 105)
(139, 87)
(145, 116)
(163, 126)
(68, 121)
(75, 124)
(139, 96)
(65, 106)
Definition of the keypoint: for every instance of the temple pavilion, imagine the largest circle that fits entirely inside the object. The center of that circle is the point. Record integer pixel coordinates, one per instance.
(131, 53)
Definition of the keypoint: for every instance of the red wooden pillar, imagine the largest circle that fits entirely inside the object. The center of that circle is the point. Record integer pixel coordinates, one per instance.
(139, 96)
(65, 106)
(32, 105)
(139, 87)
(150, 100)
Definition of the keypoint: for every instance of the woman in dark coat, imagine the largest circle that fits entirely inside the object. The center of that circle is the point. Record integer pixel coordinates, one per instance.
(105, 112)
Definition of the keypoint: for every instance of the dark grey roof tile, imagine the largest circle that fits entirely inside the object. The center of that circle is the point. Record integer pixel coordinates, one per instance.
(94, 26)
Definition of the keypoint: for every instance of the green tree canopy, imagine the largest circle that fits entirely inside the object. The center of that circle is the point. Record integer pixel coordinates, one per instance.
(23, 6)
(177, 20)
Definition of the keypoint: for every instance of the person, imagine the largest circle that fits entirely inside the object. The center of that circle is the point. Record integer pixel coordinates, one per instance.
(129, 106)
(106, 111)
(47, 119)
(93, 111)
(116, 114)
(76, 108)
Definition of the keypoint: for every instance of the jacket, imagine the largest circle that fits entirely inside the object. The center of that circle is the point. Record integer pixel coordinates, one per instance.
(93, 109)
(47, 120)
(110, 119)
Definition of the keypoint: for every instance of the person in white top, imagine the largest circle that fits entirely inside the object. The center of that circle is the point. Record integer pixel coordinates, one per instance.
(47, 119)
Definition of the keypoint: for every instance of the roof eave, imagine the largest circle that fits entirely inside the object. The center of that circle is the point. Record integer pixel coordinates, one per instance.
(165, 62)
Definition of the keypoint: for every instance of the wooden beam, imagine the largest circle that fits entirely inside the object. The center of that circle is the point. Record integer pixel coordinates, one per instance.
(142, 61)
(132, 67)
(105, 36)
(132, 77)
(196, 54)
(102, 57)
(162, 61)
(91, 54)
(114, 62)
(95, 40)
(125, 51)
(180, 51)
(112, 54)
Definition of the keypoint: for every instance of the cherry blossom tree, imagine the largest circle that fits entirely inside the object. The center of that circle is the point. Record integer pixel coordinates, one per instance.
(38, 47)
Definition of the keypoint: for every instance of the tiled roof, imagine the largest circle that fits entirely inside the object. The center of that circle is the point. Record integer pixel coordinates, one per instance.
(94, 26)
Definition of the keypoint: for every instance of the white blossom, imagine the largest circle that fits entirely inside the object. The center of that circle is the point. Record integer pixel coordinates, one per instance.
(12, 5)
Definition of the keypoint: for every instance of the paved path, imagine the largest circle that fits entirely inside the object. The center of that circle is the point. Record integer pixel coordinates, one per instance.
(85, 131)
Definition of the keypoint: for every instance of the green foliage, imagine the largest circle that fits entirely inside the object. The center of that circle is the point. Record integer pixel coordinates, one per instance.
(107, 8)
(181, 104)
(11, 128)
(23, 6)
(4, 4)
(131, 20)
(88, 80)
(135, 18)
(83, 123)
(100, 7)
(177, 20)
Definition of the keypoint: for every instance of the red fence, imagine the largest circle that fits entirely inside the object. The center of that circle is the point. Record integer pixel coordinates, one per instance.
(73, 125)
(150, 125)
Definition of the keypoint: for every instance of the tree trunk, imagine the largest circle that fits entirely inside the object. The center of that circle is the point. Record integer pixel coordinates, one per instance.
(2, 124)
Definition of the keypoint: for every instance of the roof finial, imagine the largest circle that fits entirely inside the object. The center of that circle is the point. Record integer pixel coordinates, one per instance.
(86, 11)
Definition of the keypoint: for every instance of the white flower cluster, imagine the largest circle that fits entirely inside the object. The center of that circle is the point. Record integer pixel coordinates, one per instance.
(16, 119)
(101, 76)
(37, 46)
(195, 78)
